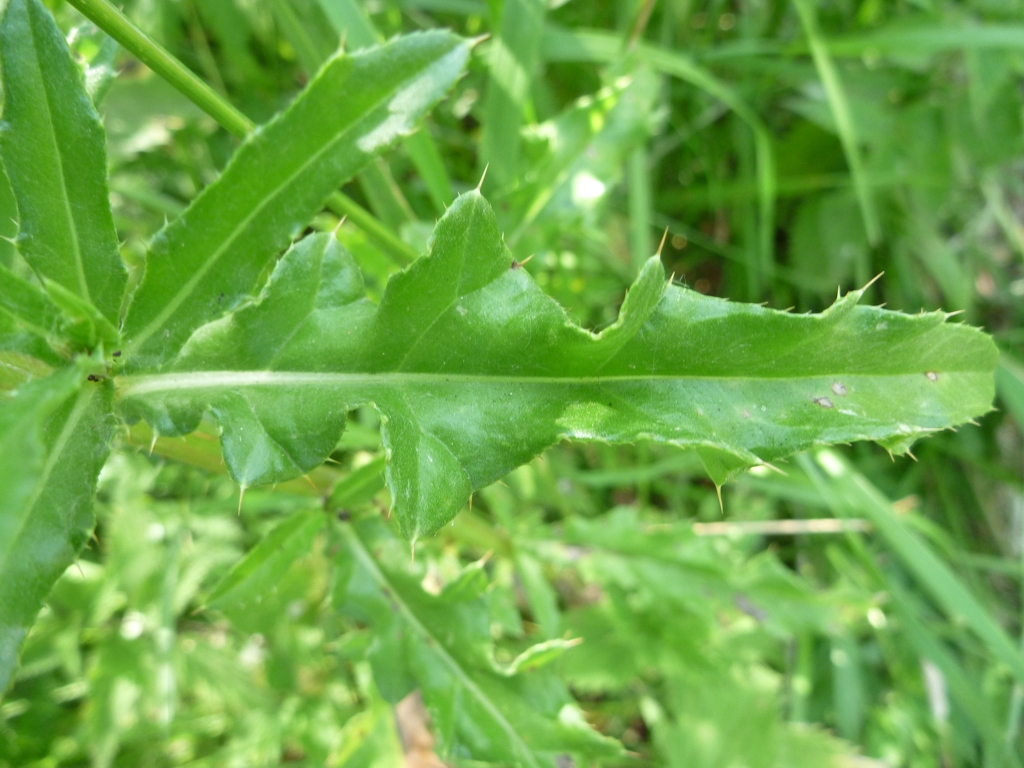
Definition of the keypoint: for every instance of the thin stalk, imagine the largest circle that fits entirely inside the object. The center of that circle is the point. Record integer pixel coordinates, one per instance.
(783, 527)
(149, 52)
(642, 19)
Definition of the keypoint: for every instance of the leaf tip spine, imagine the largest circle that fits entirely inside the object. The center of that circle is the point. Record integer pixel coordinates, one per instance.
(872, 281)
(661, 245)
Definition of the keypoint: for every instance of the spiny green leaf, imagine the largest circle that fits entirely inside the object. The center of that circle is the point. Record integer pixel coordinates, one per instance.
(206, 261)
(443, 646)
(54, 438)
(475, 371)
(351, 22)
(54, 150)
(262, 568)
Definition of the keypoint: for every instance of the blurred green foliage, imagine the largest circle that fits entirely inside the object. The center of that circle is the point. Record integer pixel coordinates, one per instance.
(785, 150)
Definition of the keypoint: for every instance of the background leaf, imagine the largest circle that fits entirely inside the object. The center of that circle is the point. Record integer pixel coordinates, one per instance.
(442, 644)
(260, 571)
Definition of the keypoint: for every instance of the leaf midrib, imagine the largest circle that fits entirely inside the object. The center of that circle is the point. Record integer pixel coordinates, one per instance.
(364, 557)
(182, 295)
(202, 380)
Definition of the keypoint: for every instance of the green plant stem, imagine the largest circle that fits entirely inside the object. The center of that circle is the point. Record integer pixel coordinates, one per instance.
(145, 49)
(149, 52)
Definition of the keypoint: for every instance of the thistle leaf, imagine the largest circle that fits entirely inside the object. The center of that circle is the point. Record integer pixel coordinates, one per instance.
(475, 371)
(209, 259)
(54, 149)
(54, 438)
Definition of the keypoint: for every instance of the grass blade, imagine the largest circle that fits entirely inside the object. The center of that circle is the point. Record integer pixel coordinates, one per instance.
(514, 56)
(853, 492)
(841, 112)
